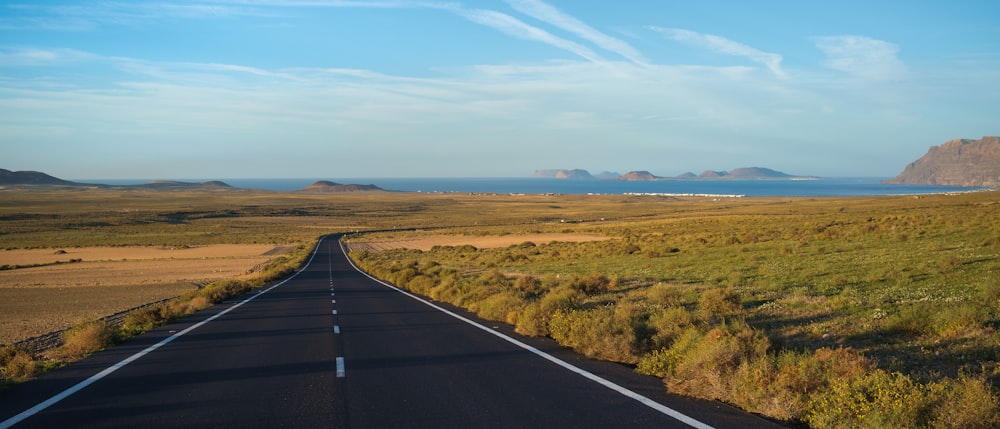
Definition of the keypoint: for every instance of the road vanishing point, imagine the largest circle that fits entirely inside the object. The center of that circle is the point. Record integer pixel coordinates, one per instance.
(330, 347)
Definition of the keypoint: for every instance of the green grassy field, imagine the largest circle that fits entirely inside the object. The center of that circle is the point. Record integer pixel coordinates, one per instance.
(828, 312)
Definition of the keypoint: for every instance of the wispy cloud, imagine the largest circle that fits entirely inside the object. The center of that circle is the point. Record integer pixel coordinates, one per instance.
(502, 22)
(24, 57)
(91, 16)
(725, 46)
(861, 56)
(517, 28)
(545, 12)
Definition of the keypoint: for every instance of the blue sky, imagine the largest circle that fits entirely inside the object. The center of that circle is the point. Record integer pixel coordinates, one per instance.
(396, 88)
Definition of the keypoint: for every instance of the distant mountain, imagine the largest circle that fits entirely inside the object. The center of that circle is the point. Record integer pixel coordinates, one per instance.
(8, 177)
(563, 174)
(605, 175)
(959, 162)
(328, 186)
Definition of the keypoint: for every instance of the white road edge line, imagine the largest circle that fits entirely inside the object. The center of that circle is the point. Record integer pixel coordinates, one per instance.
(6, 424)
(580, 371)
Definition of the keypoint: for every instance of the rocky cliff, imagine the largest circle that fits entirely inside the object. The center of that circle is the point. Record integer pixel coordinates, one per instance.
(959, 162)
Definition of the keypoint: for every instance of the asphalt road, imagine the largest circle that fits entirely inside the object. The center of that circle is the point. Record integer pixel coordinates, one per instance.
(332, 348)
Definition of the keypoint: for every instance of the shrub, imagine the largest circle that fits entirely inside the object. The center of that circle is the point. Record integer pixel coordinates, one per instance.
(503, 307)
(85, 339)
(877, 399)
(530, 286)
(706, 368)
(594, 284)
(595, 333)
(665, 294)
(965, 402)
(667, 325)
(561, 298)
(782, 385)
(719, 303)
(533, 321)
(420, 284)
(952, 320)
(142, 320)
(17, 365)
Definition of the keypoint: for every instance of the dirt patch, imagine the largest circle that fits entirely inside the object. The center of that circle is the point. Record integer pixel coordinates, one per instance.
(481, 242)
(48, 296)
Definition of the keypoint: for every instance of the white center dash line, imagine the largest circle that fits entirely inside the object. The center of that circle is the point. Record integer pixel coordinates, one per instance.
(340, 368)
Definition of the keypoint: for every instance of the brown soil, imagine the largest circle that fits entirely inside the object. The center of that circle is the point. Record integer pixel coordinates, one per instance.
(106, 280)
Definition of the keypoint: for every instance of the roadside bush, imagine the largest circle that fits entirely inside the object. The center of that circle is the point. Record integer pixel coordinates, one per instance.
(85, 339)
(219, 291)
(667, 325)
(142, 320)
(503, 307)
(705, 368)
(595, 333)
(783, 385)
(533, 321)
(420, 284)
(663, 362)
(878, 399)
(17, 365)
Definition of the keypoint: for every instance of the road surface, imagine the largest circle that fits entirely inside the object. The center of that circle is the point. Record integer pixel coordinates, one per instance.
(332, 348)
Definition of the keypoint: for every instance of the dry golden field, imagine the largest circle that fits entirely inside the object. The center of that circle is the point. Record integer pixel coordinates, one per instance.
(52, 293)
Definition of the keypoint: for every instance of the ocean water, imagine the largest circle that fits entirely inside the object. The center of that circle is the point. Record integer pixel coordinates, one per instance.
(749, 188)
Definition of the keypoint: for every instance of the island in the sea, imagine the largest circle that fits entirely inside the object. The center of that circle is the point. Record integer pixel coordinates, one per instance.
(745, 173)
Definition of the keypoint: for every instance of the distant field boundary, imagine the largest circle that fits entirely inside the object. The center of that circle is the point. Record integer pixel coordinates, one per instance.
(54, 339)
(482, 242)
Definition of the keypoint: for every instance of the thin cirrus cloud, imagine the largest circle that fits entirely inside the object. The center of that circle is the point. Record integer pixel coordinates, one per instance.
(725, 46)
(549, 14)
(517, 28)
(861, 56)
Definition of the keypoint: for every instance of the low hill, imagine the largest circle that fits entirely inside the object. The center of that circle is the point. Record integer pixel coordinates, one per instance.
(758, 173)
(563, 174)
(638, 176)
(959, 162)
(328, 186)
(172, 184)
(8, 177)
